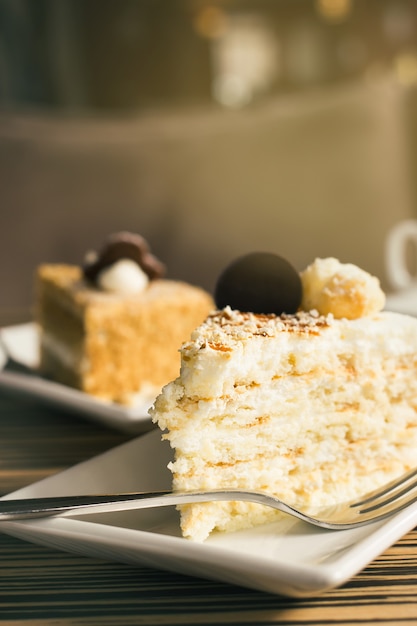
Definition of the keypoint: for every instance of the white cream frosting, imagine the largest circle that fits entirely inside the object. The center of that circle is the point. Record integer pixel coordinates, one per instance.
(124, 277)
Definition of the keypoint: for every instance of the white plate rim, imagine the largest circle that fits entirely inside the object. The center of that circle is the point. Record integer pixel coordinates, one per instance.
(234, 558)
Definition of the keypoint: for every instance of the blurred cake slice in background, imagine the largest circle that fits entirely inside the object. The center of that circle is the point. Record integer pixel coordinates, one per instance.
(113, 328)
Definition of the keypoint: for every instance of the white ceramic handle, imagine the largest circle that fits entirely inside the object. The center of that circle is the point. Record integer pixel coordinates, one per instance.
(395, 254)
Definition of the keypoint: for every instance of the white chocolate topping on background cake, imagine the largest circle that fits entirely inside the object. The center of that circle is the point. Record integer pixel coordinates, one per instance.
(123, 277)
(342, 289)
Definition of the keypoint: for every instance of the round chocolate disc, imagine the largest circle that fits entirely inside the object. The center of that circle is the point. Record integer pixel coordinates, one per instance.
(259, 282)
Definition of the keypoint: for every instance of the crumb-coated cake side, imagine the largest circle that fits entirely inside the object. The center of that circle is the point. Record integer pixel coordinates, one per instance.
(115, 346)
(312, 407)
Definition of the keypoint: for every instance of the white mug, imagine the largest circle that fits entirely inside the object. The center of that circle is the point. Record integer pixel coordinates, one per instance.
(402, 281)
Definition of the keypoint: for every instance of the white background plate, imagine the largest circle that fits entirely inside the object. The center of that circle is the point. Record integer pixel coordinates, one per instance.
(22, 344)
(287, 557)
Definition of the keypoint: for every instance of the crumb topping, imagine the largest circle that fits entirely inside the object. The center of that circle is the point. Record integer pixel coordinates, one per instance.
(332, 291)
(236, 325)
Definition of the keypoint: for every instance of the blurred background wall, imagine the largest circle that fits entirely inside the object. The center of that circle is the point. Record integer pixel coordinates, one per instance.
(212, 127)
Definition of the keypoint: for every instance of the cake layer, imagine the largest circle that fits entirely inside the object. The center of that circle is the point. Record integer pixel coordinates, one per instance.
(314, 409)
(232, 349)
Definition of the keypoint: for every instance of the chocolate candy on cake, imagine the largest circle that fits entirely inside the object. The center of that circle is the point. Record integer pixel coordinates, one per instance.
(124, 245)
(259, 282)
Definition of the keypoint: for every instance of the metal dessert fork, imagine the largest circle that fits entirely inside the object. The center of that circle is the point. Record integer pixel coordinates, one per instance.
(377, 505)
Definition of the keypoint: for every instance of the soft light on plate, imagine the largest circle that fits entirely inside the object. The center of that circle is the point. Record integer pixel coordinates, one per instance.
(288, 557)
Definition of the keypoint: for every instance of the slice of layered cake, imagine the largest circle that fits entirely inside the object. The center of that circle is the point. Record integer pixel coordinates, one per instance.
(113, 328)
(316, 402)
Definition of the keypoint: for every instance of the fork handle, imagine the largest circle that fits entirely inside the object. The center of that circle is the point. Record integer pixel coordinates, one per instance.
(29, 508)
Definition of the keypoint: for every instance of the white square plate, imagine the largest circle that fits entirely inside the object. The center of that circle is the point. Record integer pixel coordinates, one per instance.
(287, 557)
(22, 344)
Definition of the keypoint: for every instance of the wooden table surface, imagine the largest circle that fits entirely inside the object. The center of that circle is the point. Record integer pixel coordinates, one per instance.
(41, 586)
